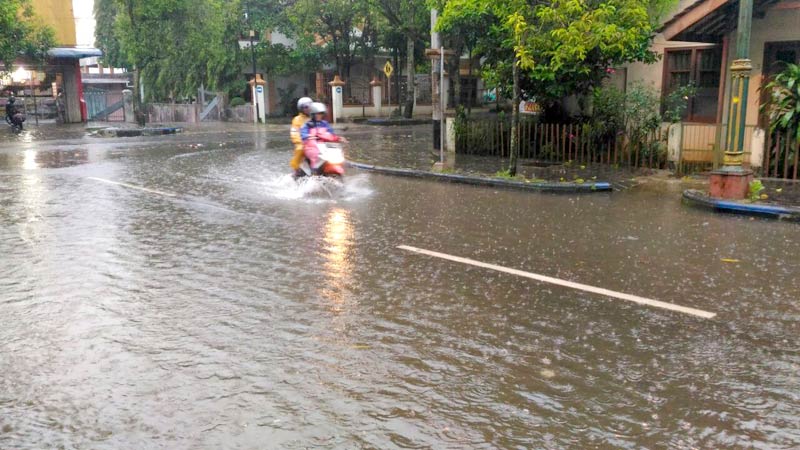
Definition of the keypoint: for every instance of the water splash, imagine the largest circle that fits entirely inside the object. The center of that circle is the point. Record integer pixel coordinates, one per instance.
(319, 189)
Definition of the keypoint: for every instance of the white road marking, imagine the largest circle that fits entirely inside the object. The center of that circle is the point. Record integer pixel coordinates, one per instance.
(565, 283)
(131, 186)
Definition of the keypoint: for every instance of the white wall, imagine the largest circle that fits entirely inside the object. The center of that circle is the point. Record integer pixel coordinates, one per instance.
(778, 25)
(420, 111)
(84, 22)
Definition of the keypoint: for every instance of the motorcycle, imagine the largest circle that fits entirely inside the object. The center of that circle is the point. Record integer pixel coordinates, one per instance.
(324, 155)
(16, 121)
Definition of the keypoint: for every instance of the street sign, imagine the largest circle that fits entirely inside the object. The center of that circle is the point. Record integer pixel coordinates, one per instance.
(259, 89)
(388, 69)
(530, 108)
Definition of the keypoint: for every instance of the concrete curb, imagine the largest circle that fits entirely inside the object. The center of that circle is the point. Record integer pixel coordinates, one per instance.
(700, 199)
(133, 132)
(567, 188)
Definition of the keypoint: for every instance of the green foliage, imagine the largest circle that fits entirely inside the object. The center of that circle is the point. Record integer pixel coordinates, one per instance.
(105, 13)
(504, 174)
(641, 110)
(282, 60)
(237, 101)
(754, 190)
(783, 106)
(22, 34)
(563, 46)
(635, 115)
(344, 27)
(608, 111)
(178, 45)
(676, 103)
(288, 99)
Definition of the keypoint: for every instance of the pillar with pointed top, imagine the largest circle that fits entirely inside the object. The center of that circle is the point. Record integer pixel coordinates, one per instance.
(337, 94)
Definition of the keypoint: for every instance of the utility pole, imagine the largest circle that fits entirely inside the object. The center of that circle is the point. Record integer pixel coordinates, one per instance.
(253, 57)
(732, 180)
(436, 89)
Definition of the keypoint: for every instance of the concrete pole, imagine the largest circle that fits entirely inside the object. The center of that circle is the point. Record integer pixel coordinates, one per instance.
(127, 106)
(257, 86)
(377, 95)
(337, 94)
(433, 53)
(732, 180)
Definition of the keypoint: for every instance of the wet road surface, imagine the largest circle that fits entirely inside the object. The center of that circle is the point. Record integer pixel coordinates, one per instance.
(183, 292)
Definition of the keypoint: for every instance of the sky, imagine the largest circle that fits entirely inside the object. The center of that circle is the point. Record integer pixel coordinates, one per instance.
(84, 21)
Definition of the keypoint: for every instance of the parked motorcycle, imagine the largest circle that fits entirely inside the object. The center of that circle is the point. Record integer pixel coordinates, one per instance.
(16, 121)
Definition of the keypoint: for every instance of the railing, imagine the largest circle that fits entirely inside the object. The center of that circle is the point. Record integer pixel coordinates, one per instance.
(781, 156)
(703, 145)
(550, 142)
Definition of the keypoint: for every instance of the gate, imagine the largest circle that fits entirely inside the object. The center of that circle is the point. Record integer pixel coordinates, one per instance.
(104, 106)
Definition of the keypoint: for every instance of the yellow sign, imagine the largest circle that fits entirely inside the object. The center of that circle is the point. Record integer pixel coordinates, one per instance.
(388, 69)
(530, 108)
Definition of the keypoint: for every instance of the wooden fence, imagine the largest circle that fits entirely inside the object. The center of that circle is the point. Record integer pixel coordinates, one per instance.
(551, 142)
(781, 155)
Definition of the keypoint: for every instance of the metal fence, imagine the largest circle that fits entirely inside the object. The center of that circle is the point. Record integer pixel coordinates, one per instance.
(105, 106)
(703, 146)
(781, 155)
(554, 142)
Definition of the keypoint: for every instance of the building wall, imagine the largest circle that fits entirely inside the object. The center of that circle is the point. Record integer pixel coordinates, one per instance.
(653, 74)
(58, 14)
(776, 26)
(85, 24)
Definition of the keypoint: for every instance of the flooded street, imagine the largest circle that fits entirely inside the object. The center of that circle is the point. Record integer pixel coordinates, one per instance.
(183, 292)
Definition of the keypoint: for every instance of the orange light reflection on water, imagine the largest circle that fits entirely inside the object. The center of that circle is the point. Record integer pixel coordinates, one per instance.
(338, 257)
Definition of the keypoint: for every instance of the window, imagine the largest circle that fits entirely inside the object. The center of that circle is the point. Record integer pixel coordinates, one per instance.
(700, 67)
(777, 54)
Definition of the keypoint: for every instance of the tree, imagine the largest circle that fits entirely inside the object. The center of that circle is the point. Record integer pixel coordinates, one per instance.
(343, 27)
(409, 19)
(105, 13)
(465, 32)
(178, 45)
(22, 34)
(550, 49)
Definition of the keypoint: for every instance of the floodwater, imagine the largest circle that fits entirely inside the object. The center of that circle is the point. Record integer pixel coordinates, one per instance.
(227, 307)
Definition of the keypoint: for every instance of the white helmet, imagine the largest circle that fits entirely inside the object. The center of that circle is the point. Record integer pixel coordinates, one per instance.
(304, 103)
(317, 107)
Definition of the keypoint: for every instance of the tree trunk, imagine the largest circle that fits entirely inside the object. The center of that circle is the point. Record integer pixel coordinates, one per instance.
(409, 110)
(348, 64)
(514, 152)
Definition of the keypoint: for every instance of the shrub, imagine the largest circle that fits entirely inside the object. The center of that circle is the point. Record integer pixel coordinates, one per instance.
(783, 105)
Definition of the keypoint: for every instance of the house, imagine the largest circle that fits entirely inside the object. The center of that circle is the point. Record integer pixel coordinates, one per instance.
(60, 74)
(698, 45)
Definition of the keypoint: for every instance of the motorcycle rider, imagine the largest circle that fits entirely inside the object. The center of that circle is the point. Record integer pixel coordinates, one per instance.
(11, 108)
(317, 127)
(294, 134)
